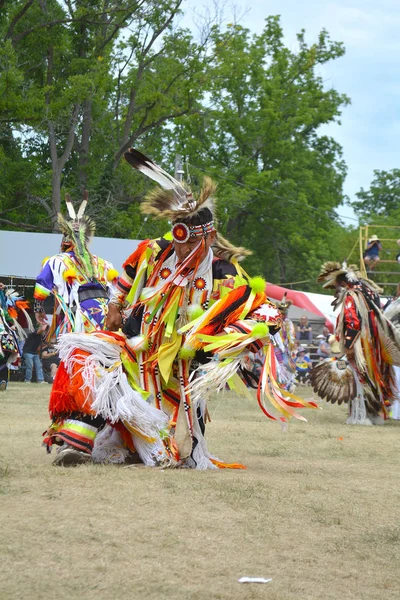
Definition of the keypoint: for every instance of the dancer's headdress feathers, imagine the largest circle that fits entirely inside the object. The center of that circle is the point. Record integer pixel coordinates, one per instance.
(78, 232)
(331, 270)
(174, 201)
(284, 304)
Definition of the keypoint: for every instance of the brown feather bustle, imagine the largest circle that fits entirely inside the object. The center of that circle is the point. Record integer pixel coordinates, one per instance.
(333, 381)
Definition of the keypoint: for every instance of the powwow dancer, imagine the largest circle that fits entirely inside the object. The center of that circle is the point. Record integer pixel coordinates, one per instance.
(80, 282)
(392, 312)
(11, 332)
(194, 316)
(284, 347)
(369, 342)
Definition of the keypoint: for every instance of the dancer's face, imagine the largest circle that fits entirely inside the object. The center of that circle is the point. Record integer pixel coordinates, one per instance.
(183, 250)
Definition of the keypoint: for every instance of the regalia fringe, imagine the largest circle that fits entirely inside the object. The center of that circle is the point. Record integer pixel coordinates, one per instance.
(108, 391)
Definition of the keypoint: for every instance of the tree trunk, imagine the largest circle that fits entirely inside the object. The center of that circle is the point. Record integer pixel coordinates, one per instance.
(84, 145)
(55, 195)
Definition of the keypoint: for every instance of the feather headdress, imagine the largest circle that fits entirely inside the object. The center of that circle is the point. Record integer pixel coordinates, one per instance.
(331, 270)
(175, 202)
(284, 304)
(78, 232)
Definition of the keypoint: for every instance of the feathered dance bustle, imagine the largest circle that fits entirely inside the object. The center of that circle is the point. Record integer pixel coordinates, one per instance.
(334, 381)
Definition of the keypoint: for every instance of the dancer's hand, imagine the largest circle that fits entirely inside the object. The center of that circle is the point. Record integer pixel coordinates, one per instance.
(114, 318)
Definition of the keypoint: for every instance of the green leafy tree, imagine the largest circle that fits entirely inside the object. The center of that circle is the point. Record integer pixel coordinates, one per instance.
(380, 206)
(102, 74)
(279, 180)
(382, 198)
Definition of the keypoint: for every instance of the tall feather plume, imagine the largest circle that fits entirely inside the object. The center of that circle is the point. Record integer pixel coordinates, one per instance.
(83, 205)
(145, 165)
(70, 206)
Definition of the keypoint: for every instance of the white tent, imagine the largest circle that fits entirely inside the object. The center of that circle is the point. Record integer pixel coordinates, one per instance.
(22, 253)
(324, 303)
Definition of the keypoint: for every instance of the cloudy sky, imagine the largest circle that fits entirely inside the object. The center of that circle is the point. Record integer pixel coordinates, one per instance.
(368, 73)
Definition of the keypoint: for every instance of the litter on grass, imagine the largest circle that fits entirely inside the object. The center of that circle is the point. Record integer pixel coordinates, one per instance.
(253, 580)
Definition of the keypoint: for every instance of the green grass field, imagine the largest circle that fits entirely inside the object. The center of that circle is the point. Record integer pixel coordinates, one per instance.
(316, 510)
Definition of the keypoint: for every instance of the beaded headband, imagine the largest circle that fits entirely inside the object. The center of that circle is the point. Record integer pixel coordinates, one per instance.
(182, 232)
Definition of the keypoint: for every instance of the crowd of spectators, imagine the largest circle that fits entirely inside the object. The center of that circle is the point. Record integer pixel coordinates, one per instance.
(305, 353)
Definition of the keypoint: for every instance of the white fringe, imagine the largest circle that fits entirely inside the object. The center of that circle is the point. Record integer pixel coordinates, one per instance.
(107, 384)
(211, 378)
(108, 448)
(358, 411)
(200, 457)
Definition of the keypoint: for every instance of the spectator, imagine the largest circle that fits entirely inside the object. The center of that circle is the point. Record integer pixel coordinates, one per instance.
(324, 349)
(371, 254)
(50, 358)
(304, 330)
(303, 365)
(31, 355)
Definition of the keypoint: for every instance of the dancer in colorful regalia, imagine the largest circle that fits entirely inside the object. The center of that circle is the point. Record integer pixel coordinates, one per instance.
(80, 282)
(370, 347)
(11, 332)
(392, 312)
(194, 315)
(285, 341)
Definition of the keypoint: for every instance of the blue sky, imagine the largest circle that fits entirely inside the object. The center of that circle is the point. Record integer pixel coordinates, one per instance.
(368, 73)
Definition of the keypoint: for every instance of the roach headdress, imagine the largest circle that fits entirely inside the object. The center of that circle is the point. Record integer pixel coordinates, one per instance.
(192, 217)
(77, 232)
(331, 271)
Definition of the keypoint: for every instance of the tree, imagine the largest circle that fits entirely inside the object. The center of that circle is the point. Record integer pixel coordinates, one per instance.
(102, 74)
(279, 180)
(88, 78)
(382, 198)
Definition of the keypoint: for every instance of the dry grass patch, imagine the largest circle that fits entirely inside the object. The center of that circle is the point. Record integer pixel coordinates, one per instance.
(315, 510)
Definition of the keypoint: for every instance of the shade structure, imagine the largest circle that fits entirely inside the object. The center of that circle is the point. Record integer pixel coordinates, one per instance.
(302, 305)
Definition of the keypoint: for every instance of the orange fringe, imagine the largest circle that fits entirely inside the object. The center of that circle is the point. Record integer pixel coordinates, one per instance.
(134, 257)
(61, 402)
(82, 398)
(67, 395)
(222, 465)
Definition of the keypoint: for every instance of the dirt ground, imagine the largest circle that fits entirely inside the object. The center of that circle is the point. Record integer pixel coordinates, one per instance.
(316, 511)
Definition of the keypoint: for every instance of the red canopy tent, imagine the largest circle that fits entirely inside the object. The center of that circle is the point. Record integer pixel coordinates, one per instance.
(299, 299)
